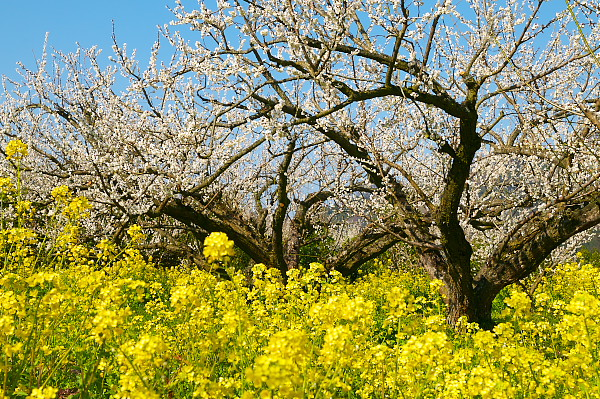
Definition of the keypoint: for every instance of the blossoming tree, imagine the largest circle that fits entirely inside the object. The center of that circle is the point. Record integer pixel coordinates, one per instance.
(470, 133)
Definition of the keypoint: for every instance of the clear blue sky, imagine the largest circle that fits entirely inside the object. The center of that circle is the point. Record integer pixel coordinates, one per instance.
(89, 22)
(25, 23)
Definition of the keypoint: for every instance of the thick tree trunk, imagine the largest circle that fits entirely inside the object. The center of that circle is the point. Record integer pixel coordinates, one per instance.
(464, 299)
(514, 259)
(458, 290)
(453, 261)
(484, 294)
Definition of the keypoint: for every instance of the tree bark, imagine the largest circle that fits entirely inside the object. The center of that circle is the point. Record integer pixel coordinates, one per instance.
(521, 253)
(514, 259)
(244, 236)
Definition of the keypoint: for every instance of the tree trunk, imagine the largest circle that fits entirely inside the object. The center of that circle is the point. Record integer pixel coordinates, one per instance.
(513, 260)
(484, 294)
(465, 300)
(458, 290)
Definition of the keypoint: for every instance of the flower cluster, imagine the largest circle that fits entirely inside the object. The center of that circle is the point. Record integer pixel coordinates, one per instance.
(137, 331)
(218, 247)
(131, 330)
(16, 150)
(136, 234)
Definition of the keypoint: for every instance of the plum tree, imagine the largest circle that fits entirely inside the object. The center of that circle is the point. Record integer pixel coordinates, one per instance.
(468, 130)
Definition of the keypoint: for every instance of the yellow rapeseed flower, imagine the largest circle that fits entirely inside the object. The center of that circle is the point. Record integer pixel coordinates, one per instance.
(23, 207)
(43, 393)
(6, 185)
(78, 208)
(136, 234)
(17, 150)
(520, 302)
(61, 194)
(6, 326)
(217, 246)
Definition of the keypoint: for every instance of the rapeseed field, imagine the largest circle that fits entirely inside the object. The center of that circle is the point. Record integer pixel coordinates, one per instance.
(81, 321)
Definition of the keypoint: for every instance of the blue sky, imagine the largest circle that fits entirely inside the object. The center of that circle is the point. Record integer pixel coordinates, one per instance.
(25, 23)
(89, 22)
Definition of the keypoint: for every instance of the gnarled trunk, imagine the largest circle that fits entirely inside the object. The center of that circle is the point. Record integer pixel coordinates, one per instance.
(519, 255)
